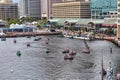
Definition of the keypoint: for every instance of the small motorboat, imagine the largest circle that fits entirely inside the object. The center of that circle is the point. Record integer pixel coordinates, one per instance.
(66, 51)
(68, 36)
(37, 38)
(86, 50)
(81, 38)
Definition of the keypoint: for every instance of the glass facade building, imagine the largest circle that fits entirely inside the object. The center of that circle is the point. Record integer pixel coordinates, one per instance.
(30, 8)
(102, 8)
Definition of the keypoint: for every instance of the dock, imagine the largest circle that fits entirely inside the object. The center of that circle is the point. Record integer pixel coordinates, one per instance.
(112, 39)
(23, 34)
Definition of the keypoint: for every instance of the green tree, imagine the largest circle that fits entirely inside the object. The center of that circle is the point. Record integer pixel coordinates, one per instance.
(13, 21)
(43, 22)
(83, 29)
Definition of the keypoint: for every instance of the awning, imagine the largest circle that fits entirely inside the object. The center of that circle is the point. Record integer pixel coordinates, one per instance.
(109, 25)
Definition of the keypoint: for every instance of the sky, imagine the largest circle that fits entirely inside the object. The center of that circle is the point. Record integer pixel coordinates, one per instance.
(16, 1)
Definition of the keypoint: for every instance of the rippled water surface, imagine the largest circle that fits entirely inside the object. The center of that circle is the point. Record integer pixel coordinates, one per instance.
(35, 64)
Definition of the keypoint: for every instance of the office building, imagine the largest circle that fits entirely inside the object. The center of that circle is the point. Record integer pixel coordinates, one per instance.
(46, 6)
(8, 9)
(102, 8)
(6, 1)
(118, 18)
(75, 9)
(75, 0)
(30, 8)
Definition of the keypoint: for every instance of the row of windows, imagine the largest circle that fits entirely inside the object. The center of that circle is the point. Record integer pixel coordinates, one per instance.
(72, 9)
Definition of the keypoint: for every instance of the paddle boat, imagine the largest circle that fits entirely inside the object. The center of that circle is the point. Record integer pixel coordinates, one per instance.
(86, 50)
(68, 57)
(72, 53)
(66, 51)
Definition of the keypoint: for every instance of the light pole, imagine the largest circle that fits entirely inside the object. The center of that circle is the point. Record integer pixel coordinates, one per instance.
(102, 66)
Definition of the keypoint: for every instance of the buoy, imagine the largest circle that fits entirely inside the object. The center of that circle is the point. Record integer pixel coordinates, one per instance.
(15, 41)
(46, 42)
(47, 51)
(28, 36)
(11, 70)
(28, 45)
(3, 39)
(48, 39)
(111, 50)
(18, 53)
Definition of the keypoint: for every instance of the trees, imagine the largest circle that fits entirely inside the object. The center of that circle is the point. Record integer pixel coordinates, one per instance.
(13, 21)
(21, 20)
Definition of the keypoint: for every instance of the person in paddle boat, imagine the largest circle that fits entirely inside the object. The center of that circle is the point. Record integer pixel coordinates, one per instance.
(109, 71)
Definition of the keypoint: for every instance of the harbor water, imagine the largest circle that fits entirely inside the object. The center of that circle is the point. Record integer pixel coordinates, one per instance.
(35, 64)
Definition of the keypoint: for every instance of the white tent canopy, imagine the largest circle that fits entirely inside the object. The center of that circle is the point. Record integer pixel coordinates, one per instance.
(20, 26)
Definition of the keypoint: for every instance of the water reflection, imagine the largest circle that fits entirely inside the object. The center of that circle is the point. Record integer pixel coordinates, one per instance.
(35, 64)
